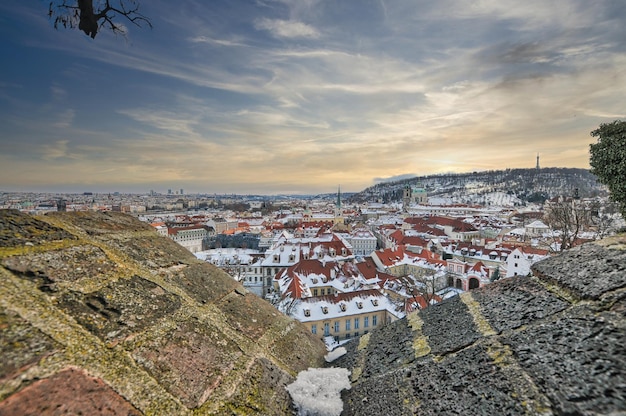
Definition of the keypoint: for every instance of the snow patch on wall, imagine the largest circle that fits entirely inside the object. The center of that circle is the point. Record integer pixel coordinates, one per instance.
(317, 391)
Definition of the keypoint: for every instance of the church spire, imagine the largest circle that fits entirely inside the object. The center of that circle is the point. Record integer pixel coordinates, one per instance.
(338, 204)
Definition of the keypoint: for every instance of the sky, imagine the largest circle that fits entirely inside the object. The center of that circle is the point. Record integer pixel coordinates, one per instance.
(304, 96)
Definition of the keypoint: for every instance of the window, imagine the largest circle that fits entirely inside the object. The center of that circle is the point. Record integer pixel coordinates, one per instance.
(307, 312)
(356, 323)
(366, 321)
(314, 292)
(326, 329)
(314, 329)
(347, 324)
(375, 320)
(325, 309)
(336, 326)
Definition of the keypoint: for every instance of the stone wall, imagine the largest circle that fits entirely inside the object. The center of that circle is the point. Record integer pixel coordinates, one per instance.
(553, 343)
(99, 315)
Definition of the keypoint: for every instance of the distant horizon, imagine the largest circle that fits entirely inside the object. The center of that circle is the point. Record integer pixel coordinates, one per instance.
(176, 191)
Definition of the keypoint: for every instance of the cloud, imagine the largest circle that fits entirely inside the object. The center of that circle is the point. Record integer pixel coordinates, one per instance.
(219, 42)
(287, 28)
(56, 151)
(65, 119)
(58, 93)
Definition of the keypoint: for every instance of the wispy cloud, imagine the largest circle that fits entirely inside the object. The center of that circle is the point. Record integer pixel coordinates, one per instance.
(65, 119)
(219, 42)
(287, 28)
(57, 150)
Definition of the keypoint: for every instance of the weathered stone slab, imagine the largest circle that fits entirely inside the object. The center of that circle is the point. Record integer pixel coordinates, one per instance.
(588, 271)
(70, 392)
(388, 348)
(247, 315)
(62, 266)
(121, 308)
(17, 229)
(201, 281)
(21, 345)
(189, 361)
(449, 327)
(390, 395)
(262, 392)
(578, 360)
(465, 383)
(295, 348)
(99, 223)
(516, 301)
(153, 251)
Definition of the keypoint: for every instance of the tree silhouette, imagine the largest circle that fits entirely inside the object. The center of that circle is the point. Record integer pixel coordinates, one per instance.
(608, 159)
(92, 15)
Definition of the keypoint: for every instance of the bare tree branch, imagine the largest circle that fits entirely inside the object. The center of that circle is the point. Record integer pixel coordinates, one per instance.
(90, 19)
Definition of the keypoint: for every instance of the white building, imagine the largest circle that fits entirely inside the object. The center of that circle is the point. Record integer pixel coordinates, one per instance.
(190, 237)
(521, 259)
(362, 240)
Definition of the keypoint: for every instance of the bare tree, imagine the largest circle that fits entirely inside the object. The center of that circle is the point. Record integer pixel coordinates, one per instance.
(421, 289)
(570, 217)
(92, 15)
(603, 217)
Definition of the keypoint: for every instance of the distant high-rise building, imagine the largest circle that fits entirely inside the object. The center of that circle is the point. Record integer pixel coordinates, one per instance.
(181, 191)
(169, 192)
(537, 161)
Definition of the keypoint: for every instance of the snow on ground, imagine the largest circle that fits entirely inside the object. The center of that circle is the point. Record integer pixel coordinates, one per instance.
(449, 292)
(317, 391)
(334, 354)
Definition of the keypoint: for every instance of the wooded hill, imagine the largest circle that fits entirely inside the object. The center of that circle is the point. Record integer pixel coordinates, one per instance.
(517, 186)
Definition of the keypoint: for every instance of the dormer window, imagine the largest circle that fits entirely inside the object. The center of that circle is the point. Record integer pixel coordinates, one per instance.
(276, 258)
(359, 305)
(343, 307)
(307, 312)
(325, 309)
(375, 302)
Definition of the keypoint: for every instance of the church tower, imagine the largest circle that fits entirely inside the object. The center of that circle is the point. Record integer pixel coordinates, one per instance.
(338, 213)
(407, 194)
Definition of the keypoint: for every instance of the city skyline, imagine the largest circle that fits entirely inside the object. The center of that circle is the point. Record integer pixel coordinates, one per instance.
(299, 97)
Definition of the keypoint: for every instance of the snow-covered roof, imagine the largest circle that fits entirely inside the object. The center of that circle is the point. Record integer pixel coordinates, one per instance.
(343, 305)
